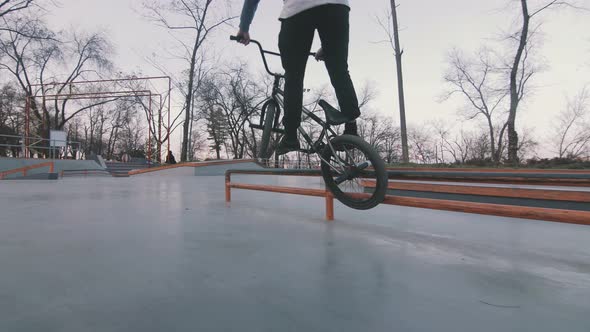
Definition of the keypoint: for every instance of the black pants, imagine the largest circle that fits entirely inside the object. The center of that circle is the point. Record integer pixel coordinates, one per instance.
(295, 40)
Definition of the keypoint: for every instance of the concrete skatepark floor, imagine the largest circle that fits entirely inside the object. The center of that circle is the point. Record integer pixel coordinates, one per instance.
(164, 253)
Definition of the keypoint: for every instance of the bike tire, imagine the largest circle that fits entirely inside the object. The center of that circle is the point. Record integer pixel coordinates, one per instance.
(379, 173)
(269, 120)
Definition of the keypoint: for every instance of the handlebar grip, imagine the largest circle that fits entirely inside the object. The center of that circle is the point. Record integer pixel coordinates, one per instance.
(235, 38)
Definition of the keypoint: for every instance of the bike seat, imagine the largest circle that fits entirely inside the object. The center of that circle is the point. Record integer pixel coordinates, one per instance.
(333, 116)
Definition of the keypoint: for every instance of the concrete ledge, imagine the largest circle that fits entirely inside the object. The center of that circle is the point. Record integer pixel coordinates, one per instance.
(211, 167)
(39, 176)
(60, 165)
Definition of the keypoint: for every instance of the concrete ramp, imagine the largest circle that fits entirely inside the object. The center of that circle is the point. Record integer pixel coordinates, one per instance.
(165, 171)
(60, 165)
(206, 168)
(221, 168)
(36, 176)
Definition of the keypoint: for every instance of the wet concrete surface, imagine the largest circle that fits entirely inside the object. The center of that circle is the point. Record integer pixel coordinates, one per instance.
(166, 254)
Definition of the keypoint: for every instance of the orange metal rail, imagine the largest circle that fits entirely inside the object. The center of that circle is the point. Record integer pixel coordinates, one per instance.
(25, 169)
(285, 190)
(544, 214)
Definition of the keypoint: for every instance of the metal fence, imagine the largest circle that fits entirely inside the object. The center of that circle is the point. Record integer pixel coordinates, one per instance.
(303, 163)
(16, 146)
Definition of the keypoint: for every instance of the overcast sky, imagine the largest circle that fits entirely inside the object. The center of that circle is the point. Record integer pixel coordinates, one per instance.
(429, 30)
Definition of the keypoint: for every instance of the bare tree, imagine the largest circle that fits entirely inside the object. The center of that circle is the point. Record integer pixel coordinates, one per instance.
(11, 108)
(120, 114)
(20, 56)
(392, 30)
(527, 143)
(22, 10)
(390, 145)
(479, 82)
(179, 84)
(110, 130)
(519, 77)
(199, 142)
(480, 150)
(11, 121)
(240, 97)
(454, 146)
(10, 6)
(86, 54)
(423, 149)
(461, 146)
(217, 129)
(572, 128)
(493, 83)
(37, 58)
(372, 128)
(199, 18)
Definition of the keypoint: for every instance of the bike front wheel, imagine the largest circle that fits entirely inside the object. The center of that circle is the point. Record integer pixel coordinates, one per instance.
(354, 172)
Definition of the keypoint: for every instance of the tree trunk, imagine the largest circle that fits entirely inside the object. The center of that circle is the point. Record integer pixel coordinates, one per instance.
(190, 156)
(400, 84)
(189, 100)
(495, 156)
(514, 93)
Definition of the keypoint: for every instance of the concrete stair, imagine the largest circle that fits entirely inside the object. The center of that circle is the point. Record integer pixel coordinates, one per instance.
(119, 168)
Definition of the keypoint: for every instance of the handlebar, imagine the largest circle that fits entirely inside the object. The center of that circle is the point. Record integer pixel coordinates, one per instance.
(263, 53)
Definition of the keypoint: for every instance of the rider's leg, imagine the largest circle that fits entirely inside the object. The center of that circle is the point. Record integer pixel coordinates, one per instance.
(333, 27)
(295, 42)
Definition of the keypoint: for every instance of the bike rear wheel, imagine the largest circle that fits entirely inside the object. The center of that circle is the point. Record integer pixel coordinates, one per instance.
(354, 172)
(269, 119)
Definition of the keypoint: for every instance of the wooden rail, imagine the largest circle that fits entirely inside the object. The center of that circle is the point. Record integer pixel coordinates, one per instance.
(25, 169)
(494, 170)
(567, 179)
(500, 180)
(541, 194)
(501, 210)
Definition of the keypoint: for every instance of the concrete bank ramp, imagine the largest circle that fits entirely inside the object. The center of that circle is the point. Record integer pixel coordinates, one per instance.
(7, 164)
(206, 168)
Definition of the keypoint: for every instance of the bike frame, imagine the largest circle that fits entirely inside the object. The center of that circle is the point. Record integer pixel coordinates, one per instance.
(315, 147)
(278, 97)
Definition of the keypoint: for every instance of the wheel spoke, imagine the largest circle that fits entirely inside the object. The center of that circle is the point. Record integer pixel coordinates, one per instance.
(335, 154)
(349, 180)
(358, 162)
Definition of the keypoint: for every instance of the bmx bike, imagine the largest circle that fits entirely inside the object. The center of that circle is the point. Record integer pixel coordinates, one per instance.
(352, 169)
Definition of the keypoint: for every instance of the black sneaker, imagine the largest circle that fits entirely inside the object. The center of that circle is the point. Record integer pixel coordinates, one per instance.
(350, 128)
(288, 144)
